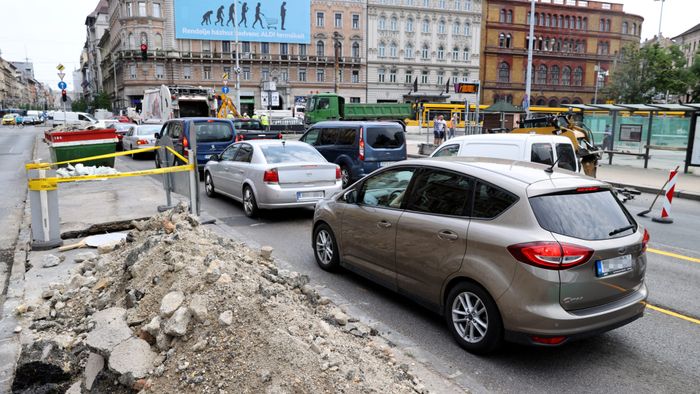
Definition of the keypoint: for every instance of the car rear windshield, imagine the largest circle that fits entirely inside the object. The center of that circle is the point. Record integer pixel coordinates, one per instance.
(213, 131)
(590, 216)
(284, 153)
(247, 125)
(385, 137)
(149, 130)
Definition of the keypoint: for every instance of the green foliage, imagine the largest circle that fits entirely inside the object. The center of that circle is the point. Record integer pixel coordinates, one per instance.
(102, 101)
(695, 76)
(645, 72)
(79, 105)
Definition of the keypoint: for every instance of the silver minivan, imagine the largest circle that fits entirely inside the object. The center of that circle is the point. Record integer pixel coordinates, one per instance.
(505, 250)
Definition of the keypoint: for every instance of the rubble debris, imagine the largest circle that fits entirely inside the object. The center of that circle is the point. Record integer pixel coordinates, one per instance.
(80, 170)
(50, 261)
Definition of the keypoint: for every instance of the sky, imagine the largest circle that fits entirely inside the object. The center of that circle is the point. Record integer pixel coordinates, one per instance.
(57, 30)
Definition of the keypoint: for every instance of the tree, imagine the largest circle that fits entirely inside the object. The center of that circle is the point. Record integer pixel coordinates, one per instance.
(645, 72)
(79, 105)
(102, 101)
(695, 80)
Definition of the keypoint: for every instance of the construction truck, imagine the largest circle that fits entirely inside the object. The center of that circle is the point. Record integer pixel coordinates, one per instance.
(330, 106)
(170, 102)
(567, 126)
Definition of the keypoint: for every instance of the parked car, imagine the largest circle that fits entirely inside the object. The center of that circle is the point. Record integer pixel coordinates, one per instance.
(141, 136)
(252, 129)
(9, 119)
(545, 149)
(358, 147)
(504, 250)
(270, 174)
(213, 136)
(30, 120)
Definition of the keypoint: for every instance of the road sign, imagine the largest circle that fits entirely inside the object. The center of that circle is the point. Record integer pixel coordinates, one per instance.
(225, 76)
(225, 90)
(62, 85)
(274, 98)
(463, 87)
(60, 67)
(269, 85)
(61, 75)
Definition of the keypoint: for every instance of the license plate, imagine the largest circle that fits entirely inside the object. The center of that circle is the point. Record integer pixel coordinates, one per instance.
(207, 157)
(386, 163)
(613, 266)
(309, 195)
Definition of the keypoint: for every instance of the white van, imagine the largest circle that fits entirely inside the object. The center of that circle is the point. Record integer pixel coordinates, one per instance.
(60, 117)
(545, 149)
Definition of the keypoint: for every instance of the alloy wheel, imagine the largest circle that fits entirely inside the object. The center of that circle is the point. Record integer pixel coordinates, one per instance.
(345, 176)
(470, 318)
(324, 247)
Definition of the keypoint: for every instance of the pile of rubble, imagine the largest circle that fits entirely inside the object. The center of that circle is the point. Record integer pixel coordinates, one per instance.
(175, 308)
(75, 126)
(80, 169)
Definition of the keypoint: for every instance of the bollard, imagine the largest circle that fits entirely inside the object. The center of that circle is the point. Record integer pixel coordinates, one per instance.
(670, 189)
(43, 202)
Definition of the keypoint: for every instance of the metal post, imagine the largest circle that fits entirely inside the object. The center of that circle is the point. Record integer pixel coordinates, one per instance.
(466, 115)
(238, 66)
(335, 53)
(612, 138)
(476, 109)
(661, 15)
(691, 142)
(597, 81)
(646, 152)
(531, 41)
(194, 201)
(46, 231)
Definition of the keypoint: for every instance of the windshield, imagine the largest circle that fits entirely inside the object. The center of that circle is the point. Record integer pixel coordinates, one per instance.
(590, 216)
(148, 130)
(291, 153)
(213, 131)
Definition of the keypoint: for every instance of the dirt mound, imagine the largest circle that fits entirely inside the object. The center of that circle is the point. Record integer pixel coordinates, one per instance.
(176, 308)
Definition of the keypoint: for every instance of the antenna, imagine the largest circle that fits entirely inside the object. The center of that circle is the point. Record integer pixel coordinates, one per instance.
(550, 169)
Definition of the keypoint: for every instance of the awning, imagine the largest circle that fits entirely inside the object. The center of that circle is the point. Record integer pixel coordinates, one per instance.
(582, 107)
(248, 101)
(639, 107)
(676, 107)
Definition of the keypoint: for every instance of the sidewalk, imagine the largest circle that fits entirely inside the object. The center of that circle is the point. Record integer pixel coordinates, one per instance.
(645, 180)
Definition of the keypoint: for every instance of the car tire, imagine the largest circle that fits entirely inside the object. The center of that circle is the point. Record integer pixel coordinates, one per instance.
(469, 310)
(250, 205)
(345, 175)
(326, 248)
(209, 185)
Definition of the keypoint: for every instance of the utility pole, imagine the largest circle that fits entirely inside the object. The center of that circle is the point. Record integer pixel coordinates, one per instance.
(530, 44)
(661, 15)
(238, 66)
(336, 47)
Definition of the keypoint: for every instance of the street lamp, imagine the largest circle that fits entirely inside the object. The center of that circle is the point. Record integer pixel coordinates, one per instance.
(600, 75)
(661, 14)
(336, 48)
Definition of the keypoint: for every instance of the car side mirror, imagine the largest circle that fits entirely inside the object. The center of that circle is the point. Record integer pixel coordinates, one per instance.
(157, 135)
(350, 196)
(215, 157)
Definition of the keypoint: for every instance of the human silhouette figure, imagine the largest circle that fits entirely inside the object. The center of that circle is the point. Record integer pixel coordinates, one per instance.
(220, 16)
(244, 13)
(206, 18)
(231, 14)
(283, 13)
(257, 17)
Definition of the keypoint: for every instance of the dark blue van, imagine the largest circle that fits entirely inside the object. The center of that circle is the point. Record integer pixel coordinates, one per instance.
(213, 136)
(357, 147)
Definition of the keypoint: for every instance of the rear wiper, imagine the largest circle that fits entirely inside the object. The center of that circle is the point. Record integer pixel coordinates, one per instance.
(621, 230)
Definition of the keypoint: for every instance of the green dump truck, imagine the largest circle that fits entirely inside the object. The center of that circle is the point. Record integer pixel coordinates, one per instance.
(330, 106)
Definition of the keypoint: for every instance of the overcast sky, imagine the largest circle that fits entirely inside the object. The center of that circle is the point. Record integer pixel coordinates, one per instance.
(53, 31)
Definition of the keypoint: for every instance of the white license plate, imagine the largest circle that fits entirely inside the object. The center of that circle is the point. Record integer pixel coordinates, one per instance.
(613, 266)
(386, 163)
(310, 195)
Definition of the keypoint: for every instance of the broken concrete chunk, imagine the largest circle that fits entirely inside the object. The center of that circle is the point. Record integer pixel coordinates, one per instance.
(177, 325)
(106, 248)
(153, 327)
(74, 388)
(224, 279)
(171, 302)
(340, 318)
(133, 356)
(110, 330)
(266, 252)
(198, 307)
(95, 364)
(226, 318)
(50, 261)
(213, 271)
(84, 256)
(42, 312)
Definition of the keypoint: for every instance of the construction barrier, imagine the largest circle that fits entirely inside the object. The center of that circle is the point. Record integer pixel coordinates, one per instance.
(43, 195)
(666, 209)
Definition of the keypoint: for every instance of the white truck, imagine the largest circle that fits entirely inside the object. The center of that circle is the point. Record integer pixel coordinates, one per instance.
(170, 102)
(68, 117)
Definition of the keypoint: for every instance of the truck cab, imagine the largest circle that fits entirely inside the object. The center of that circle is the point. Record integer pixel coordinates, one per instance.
(324, 106)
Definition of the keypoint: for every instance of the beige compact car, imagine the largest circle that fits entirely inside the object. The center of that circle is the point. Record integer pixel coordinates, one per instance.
(505, 250)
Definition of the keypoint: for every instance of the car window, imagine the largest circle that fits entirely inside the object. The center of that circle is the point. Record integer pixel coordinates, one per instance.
(385, 137)
(447, 151)
(244, 154)
(285, 153)
(311, 137)
(542, 153)
(147, 130)
(346, 136)
(130, 132)
(175, 130)
(323, 103)
(247, 125)
(491, 201)
(83, 118)
(328, 137)
(229, 153)
(595, 215)
(213, 131)
(566, 157)
(387, 188)
(441, 192)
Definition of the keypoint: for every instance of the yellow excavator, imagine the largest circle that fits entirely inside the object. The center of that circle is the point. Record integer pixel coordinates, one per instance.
(566, 126)
(227, 106)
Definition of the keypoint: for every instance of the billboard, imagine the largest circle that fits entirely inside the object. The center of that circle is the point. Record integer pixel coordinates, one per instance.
(260, 21)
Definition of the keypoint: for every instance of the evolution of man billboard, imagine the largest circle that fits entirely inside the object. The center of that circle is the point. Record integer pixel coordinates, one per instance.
(260, 21)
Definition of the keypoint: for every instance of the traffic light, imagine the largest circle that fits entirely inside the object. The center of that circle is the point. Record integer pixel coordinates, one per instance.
(64, 95)
(144, 52)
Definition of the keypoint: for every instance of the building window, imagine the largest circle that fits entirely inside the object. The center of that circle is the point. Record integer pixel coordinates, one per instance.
(502, 16)
(425, 76)
(408, 52)
(607, 25)
(456, 28)
(302, 49)
(319, 19)
(355, 77)
(579, 24)
(206, 46)
(509, 41)
(393, 50)
(441, 27)
(441, 4)
(284, 49)
(504, 72)
(426, 26)
(554, 75)
(381, 50)
(625, 28)
(467, 29)
(156, 10)
(132, 41)
(355, 22)
(206, 72)
(394, 25)
(160, 71)
(338, 20)
(382, 23)
(634, 29)
(320, 75)
(455, 77)
(132, 71)
(426, 3)
(440, 77)
(458, 5)
(542, 75)
(381, 75)
(424, 52)
(245, 47)
(455, 54)
(265, 48)
(585, 23)
(144, 38)
(441, 53)
(467, 5)
(356, 50)
(187, 72)
(320, 48)
(245, 73)
(578, 76)
(509, 16)
(392, 76)
(409, 25)
(501, 40)
(284, 75)
(225, 46)
(265, 74)
(302, 75)
(128, 11)
(408, 78)
(566, 76)
(142, 8)
(465, 54)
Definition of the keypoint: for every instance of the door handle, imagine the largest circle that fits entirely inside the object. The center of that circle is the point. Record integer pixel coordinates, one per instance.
(383, 224)
(448, 235)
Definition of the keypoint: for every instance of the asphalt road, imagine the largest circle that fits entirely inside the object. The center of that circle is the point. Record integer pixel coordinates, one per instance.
(658, 353)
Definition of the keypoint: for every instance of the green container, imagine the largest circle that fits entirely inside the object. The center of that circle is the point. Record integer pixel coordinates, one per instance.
(72, 152)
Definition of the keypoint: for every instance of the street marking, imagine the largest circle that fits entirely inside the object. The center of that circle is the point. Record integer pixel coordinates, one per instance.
(669, 254)
(672, 313)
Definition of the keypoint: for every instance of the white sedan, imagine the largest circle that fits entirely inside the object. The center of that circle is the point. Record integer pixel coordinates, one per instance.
(269, 174)
(141, 136)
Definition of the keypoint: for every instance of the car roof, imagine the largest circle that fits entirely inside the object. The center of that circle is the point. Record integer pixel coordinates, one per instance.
(508, 137)
(523, 172)
(267, 142)
(341, 123)
(201, 118)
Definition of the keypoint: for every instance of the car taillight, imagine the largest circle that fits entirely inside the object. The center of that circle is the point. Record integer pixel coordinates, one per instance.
(271, 176)
(551, 255)
(548, 340)
(645, 240)
(587, 189)
(362, 144)
(279, 136)
(185, 143)
(141, 142)
(239, 138)
(338, 174)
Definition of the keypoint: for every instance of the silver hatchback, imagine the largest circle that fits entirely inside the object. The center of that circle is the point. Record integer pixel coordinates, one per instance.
(504, 250)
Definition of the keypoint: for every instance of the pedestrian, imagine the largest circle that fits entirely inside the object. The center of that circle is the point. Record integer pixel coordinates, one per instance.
(265, 121)
(607, 138)
(453, 125)
(438, 130)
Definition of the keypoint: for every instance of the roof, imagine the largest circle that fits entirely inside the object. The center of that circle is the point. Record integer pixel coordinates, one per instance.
(689, 31)
(506, 137)
(503, 106)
